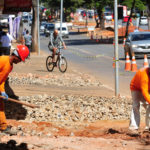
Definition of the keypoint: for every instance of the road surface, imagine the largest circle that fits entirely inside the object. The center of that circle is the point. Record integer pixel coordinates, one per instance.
(96, 59)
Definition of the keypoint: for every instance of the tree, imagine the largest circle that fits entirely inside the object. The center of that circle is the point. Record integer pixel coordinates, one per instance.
(148, 8)
(68, 5)
(139, 4)
(133, 4)
(47, 13)
(99, 6)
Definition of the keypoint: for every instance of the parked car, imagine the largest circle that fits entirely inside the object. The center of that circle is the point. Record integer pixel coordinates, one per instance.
(90, 13)
(26, 18)
(4, 20)
(4, 23)
(126, 18)
(143, 20)
(42, 26)
(49, 27)
(108, 16)
(65, 32)
(137, 42)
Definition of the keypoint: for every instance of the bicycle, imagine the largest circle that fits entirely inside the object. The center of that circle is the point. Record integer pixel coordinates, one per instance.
(61, 62)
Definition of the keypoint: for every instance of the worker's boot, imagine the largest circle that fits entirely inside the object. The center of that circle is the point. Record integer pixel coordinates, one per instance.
(133, 132)
(147, 129)
(9, 131)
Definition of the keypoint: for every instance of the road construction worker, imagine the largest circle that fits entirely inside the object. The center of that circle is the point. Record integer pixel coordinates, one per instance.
(6, 66)
(140, 87)
(54, 43)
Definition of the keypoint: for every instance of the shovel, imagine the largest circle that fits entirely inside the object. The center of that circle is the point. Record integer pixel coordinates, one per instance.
(20, 102)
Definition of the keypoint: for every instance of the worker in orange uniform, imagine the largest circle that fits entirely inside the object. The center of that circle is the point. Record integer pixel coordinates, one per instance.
(140, 87)
(6, 66)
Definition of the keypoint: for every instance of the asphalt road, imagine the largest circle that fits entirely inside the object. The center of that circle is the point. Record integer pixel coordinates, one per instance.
(97, 59)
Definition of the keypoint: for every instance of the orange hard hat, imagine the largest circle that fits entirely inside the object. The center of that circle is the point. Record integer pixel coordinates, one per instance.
(23, 51)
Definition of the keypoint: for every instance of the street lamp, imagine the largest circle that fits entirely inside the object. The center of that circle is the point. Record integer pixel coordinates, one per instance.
(61, 16)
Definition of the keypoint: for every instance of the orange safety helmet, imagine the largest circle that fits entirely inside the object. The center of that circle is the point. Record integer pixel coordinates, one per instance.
(23, 51)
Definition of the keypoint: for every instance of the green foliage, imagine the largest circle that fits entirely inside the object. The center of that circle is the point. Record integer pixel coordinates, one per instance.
(47, 13)
(68, 4)
(140, 4)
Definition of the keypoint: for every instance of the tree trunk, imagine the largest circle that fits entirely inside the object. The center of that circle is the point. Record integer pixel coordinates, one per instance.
(133, 4)
(148, 9)
(34, 28)
(101, 18)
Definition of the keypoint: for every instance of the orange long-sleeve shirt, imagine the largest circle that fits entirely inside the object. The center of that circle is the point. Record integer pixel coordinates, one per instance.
(5, 69)
(141, 82)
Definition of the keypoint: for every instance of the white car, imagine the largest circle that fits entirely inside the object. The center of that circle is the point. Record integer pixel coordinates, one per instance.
(108, 16)
(42, 27)
(143, 20)
(65, 32)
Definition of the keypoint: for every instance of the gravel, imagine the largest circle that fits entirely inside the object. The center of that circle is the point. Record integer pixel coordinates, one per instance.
(66, 108)
(70, 108)
(67, 80)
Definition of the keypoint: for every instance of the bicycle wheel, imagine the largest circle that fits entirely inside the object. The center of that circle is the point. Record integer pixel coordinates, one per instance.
(62, 64)
(49, 64)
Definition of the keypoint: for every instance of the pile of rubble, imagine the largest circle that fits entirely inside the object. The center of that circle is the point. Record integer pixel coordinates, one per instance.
(70, 108)
(67, 108)
(67, 79)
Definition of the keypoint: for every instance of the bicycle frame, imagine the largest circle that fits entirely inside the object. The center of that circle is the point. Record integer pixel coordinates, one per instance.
(59, 55)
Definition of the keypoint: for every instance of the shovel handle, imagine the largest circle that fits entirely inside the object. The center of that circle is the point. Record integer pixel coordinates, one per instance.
(20, 102)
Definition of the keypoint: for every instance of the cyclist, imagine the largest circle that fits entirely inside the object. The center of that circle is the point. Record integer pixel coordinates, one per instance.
(54, 43)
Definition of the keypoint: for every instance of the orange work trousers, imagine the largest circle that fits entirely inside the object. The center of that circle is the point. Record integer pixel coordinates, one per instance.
(3, 123)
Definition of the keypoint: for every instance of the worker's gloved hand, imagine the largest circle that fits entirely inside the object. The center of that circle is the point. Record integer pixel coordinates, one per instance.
(4, 95)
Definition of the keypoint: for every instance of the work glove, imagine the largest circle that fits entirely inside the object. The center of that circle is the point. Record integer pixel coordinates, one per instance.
(4, 95)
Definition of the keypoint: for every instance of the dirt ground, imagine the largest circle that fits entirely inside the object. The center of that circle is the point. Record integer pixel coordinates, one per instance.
(100, 135)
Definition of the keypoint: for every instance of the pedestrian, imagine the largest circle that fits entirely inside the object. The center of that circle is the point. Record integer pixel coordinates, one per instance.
(140, 87)
(24, 32)
(28, 40)
(6, 40)
(6, 66)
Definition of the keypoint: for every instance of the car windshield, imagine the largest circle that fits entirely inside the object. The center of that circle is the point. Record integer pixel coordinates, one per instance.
(27, 17)
(50, 28)
(143, 18)
(107, 14)
(43, 23)
(63, 28)
(140, 37)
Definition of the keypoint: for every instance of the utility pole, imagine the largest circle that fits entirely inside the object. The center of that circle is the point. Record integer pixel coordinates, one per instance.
(61, 17)
(38, 28)
(116, 49)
